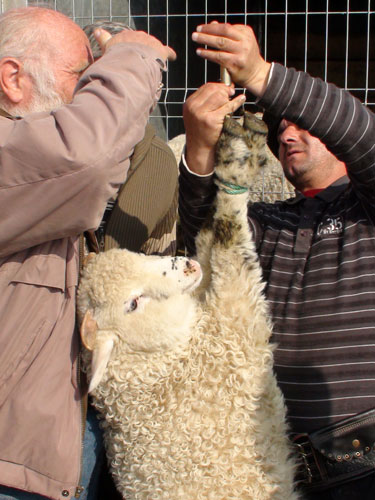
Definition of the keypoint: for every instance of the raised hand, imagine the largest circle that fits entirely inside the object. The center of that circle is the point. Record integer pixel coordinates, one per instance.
(236, 48)
(105, 41)
(204, 113)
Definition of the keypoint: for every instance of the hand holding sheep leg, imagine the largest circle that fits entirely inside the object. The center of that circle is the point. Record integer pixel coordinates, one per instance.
(236, 49)
(204, 113)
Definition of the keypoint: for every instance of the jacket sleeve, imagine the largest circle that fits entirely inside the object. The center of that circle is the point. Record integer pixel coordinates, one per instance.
(196, 195)
(333, 115)
(58, 169)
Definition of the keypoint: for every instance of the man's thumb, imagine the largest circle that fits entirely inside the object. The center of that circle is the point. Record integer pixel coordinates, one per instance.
(102, 37)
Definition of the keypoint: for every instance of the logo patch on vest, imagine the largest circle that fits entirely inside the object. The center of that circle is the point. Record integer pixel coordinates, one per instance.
(331, 225)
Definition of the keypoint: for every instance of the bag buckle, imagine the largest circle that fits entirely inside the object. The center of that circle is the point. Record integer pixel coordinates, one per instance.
(308, 470)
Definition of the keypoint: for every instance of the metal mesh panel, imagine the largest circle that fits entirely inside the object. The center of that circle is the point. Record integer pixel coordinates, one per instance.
(331, 39)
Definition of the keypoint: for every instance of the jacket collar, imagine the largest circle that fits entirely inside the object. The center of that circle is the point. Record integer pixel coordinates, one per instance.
(5, 114)
(328, 194)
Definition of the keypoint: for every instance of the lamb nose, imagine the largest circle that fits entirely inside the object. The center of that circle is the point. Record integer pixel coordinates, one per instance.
(191, 267)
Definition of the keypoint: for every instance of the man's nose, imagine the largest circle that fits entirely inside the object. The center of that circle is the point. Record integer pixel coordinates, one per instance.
(289, 134)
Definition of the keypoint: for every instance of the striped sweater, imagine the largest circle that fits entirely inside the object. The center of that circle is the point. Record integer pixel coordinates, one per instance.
(317, 256)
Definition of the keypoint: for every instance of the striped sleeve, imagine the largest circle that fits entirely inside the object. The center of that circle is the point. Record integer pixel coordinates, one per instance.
(196, 195)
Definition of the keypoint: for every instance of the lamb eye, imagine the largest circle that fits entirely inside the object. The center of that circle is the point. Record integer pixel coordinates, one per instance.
(133, 305)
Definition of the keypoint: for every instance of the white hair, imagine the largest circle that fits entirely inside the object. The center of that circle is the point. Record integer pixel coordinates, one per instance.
(23, 37)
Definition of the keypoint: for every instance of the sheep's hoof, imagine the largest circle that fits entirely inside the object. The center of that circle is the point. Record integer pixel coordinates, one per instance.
(254, 124)
(232, 127)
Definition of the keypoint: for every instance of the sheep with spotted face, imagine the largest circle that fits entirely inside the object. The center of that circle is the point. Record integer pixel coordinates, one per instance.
(180, 366)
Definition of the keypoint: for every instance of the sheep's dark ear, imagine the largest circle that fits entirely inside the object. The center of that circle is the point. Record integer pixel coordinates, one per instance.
(89, 330)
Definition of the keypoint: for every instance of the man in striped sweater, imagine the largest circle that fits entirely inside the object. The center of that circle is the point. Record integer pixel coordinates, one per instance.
(317, 250)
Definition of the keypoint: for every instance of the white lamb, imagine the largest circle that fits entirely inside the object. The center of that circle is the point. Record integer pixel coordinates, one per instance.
(184, 382)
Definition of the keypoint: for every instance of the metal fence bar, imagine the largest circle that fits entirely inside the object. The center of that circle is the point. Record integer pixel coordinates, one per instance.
(306, 35)
(367, 54)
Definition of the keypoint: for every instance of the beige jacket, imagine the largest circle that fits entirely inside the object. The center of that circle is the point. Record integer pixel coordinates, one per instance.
(57, 171)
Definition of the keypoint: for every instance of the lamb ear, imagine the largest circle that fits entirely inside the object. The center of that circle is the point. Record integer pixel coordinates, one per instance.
(89, 329)
(100, 358)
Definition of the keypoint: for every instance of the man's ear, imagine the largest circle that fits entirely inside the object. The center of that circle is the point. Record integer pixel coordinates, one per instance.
(14, 82)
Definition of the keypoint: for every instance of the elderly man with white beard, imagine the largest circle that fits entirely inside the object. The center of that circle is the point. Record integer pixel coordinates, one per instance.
(67, 128)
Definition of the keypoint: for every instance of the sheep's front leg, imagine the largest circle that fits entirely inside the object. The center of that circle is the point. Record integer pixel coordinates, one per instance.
(240, 157)
(235, 269)
(203, 244)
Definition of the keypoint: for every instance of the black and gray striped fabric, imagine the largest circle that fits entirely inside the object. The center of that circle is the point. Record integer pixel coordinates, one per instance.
(317, 255)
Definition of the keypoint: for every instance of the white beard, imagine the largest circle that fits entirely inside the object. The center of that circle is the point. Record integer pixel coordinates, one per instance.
(45, 97)
(39, 103)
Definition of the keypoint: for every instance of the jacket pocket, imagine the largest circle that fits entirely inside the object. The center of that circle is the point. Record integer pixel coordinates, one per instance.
(31, 302)
(41, 270)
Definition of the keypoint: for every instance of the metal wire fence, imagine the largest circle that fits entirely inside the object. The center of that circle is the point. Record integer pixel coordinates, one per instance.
(332, 39)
